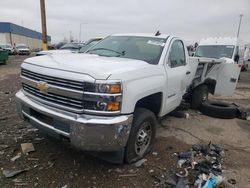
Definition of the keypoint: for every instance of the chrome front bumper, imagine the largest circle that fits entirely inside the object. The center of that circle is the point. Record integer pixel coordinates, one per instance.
(86, 132)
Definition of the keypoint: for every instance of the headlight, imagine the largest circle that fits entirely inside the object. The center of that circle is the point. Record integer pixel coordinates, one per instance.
(111, 88)
(102, 97)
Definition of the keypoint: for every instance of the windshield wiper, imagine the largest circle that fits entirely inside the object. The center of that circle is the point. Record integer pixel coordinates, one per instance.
(119, 53)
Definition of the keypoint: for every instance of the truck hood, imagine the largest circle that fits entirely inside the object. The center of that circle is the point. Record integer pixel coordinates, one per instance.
(98, 67)
(50, 52)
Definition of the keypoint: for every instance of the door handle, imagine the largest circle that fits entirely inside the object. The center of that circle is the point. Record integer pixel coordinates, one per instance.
(188, 72)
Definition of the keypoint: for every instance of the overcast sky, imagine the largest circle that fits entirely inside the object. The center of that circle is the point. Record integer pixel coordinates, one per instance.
(189, 19)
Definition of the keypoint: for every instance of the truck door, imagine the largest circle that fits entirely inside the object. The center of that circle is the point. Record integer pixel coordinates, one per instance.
(178, 74)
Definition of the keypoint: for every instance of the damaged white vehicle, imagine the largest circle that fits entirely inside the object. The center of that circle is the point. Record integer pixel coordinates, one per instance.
(109, 98)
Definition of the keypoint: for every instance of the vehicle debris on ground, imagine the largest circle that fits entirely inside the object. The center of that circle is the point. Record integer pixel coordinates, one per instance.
(12, 173)
(27, 147)
(200, 167)
(16, 157)
(140, 162)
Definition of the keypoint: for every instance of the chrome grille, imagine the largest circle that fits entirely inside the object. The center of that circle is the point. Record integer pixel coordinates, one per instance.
(52, 80)
(61, 93)
(61, 100)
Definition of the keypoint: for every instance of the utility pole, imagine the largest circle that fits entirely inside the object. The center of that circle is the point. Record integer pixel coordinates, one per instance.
(238, 33)
(44, 27)
(70, 36)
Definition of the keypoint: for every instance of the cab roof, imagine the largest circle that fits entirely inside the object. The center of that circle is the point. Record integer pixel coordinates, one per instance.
(142, 35)
(220, 41)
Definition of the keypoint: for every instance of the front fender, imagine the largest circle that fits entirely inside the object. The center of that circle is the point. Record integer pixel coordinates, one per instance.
(140, 88)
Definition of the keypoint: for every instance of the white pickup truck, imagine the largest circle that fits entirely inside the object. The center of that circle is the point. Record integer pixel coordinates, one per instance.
(108, 99)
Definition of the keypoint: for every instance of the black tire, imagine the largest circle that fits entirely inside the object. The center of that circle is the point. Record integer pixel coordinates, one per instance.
(199, 96)
(219, 110)
(141, 118)
(244, 67)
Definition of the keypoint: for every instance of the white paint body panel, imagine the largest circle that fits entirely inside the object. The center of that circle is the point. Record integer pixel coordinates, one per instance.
(226, 76)
(96, 66)
(50, 52)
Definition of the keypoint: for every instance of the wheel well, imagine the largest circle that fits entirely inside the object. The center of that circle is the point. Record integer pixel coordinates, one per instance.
(152, 102)
(211, 83)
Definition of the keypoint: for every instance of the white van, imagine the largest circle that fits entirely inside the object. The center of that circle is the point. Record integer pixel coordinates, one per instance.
(229, 48)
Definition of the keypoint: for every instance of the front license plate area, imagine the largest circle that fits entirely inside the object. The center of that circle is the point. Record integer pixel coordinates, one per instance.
(41, 117)
(58, 124)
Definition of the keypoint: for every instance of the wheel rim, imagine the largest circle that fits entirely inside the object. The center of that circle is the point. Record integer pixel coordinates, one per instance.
(143, 138)
(204, 97)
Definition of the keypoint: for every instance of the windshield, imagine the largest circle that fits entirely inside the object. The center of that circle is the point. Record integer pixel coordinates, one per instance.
(87, 46)
(215, 51)
(21, 46)
(70, 46)
(148, 49)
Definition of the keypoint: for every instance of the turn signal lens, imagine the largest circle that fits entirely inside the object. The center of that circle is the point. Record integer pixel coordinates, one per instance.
(116, 88)
(113, 106)
(109, 88)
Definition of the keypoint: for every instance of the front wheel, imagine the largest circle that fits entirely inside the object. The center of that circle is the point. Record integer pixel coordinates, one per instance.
(142, 135)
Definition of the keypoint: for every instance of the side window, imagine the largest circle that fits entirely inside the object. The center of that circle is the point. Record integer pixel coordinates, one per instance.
(177, 54)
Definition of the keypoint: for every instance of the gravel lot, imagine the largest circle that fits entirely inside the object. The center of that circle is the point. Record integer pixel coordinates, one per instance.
(57, 164)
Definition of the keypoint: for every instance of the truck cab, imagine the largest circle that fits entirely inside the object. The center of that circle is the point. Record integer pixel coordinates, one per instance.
(229, 48)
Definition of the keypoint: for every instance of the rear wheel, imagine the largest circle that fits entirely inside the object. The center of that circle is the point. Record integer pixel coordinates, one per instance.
(142, 135)
(199, 95)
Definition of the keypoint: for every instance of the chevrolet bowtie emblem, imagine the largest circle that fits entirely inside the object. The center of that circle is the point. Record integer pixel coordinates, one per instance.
(42, 86)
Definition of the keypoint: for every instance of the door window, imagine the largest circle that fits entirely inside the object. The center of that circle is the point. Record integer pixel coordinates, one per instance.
(177, 54)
